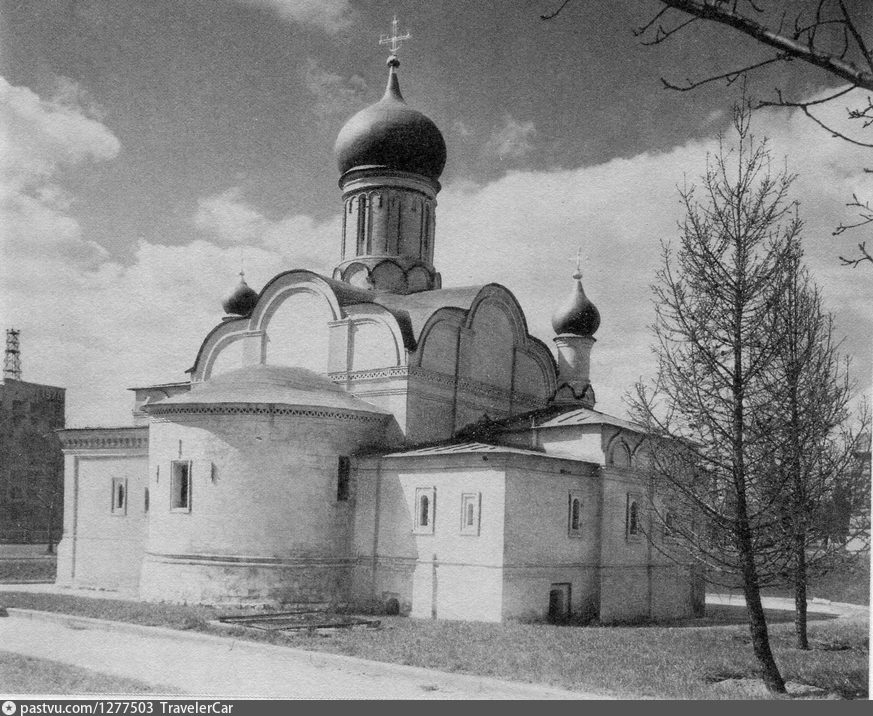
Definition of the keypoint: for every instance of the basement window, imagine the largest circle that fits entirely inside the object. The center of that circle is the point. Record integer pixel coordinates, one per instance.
(180, 486)
(119, 496)
(425, 503)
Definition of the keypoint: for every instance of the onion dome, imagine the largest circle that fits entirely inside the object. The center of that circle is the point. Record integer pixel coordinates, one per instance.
(577, 316)
(391, 135)
(243, 299)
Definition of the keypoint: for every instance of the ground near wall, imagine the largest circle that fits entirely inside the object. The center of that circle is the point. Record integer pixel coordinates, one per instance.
(26, 563)
(692, 659)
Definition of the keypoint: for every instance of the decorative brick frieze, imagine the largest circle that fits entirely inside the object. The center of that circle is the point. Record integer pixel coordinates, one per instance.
(104, 438)
(265, 410)
(466, 385)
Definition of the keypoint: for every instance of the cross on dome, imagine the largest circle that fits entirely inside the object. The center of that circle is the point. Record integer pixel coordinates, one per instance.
(395, 41)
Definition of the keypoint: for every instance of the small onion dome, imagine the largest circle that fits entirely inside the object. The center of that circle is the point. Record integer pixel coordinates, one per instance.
(391, 135)
(577, 315)
(243, 299)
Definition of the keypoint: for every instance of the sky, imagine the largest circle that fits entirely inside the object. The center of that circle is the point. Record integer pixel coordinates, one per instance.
(149, 149)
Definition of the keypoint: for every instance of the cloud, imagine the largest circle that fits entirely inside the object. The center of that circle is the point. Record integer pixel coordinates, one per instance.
(38, 139)
(330, 15)
(512, 140)
(333, 93)
(39, 136)
(301, 241)
(523, 230)
(96, 326)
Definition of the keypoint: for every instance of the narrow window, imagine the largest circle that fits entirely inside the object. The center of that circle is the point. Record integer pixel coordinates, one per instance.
(342, 478)
(424, 511)
(145, 500)
(574, 515)
(180, 486)
(119, 496)
(425, 498)
(633, 517)
(470, 503)
(669, 524)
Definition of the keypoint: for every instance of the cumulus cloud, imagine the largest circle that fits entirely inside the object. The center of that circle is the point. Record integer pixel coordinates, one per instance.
(96, 326)
(301, 241)
(333, 93)
(513, 139)
(523, 230)
(330, 15)
(38, 138)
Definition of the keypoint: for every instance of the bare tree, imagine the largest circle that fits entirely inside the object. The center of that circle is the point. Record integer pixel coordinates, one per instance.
(808, 447)
(714, 298)
(826, 34)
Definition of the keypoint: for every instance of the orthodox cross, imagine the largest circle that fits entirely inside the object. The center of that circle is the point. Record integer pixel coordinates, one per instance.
(578, 273)
(395, 40)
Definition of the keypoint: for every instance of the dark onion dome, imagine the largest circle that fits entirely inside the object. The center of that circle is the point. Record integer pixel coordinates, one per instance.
(392, 135)
(243, 299)
(577, 316)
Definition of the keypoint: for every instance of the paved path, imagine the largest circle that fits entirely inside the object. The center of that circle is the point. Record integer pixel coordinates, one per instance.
(223, 667)
(820, 606)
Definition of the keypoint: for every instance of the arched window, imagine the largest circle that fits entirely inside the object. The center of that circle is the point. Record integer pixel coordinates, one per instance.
(574, 514)
(470, 502)
(119, 496)
(424, 510)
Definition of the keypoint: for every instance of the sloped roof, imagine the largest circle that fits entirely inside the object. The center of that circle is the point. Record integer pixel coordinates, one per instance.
(269, 385)
(466, 449)
(555, 416)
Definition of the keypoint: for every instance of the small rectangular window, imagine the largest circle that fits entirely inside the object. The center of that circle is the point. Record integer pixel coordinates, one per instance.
(425, 509)
(180, 486)
(470, 502)
(574, 514)
(342, 478)
(119, 496)
(145, 500)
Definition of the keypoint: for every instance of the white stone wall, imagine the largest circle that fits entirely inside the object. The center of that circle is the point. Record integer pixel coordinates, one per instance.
(540, 549)
(102, 548)
(444, 573)
(265, 523)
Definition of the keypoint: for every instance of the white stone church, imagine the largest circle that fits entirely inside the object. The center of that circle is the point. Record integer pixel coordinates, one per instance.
(374, 440)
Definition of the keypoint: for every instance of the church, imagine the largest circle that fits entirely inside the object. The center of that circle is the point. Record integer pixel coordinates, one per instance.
(373, 440)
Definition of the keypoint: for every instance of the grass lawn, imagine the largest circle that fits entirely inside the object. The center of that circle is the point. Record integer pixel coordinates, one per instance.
(26, 675)
(40, 569)
(678, 661)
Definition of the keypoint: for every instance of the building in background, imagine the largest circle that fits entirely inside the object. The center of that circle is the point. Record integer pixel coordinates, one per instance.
(31, 461)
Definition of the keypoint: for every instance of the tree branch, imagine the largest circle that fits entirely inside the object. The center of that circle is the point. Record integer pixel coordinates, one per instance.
(726, 14)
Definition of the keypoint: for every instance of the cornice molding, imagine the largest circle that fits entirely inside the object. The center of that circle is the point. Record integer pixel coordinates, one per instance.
(127, 438)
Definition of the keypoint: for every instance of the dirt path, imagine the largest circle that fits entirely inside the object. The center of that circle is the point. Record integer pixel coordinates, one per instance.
(223, 667)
